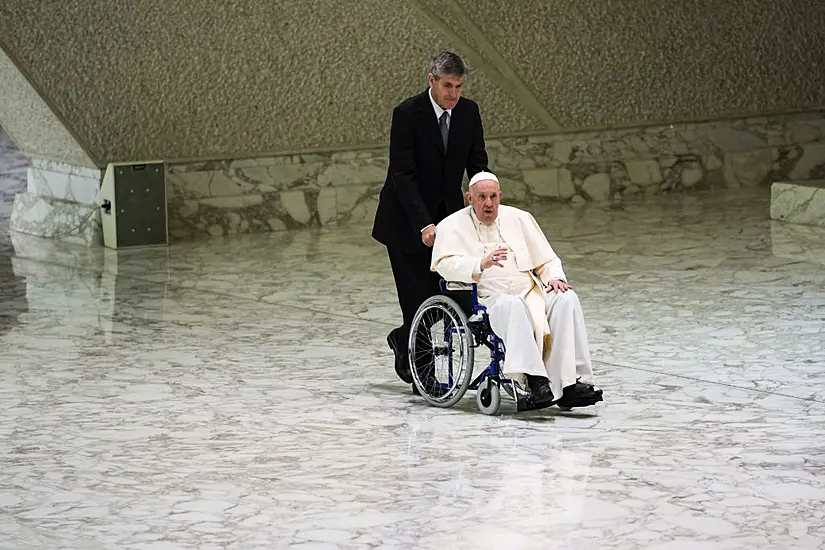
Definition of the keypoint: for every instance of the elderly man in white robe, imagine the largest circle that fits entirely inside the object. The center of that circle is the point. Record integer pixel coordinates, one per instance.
(521, 282)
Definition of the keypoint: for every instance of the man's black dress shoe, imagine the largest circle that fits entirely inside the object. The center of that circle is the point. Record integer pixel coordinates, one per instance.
(579, 395)
(402, 364)
(539, 388)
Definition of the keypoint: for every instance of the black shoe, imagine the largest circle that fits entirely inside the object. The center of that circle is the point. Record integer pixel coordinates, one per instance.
(539, 388)
(402, 364)
(579, 395)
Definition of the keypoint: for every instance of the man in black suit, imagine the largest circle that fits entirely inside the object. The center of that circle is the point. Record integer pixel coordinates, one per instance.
(435, 136)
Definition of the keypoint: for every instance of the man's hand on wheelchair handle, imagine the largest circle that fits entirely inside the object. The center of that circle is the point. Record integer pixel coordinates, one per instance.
(557, 285)
(428, 235)
(493, 258)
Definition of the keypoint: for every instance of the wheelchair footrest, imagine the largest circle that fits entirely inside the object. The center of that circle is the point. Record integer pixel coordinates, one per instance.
(527, 403)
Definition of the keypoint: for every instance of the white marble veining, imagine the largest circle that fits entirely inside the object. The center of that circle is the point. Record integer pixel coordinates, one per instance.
(52, 218)
(49, 199)
(323, 189)
(13, 167)
(225, 394)
(797, 242)
(801, 202)
(64, 181)
(238, 393)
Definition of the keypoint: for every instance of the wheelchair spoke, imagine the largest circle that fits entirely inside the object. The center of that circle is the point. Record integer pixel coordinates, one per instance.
(440, 351)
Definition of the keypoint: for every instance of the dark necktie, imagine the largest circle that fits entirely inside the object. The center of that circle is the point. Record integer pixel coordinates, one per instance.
(445, 130)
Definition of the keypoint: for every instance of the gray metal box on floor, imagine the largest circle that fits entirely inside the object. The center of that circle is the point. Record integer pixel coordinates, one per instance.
(133, 205)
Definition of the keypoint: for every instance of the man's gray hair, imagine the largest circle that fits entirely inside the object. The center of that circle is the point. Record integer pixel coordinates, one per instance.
(449, 64)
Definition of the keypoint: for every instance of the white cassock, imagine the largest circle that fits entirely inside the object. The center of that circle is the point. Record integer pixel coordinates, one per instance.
(521, 312)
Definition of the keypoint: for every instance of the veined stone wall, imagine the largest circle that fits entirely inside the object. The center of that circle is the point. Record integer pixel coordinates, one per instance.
(88, 82)
(13, 166)
(61, 202)
(321, 189)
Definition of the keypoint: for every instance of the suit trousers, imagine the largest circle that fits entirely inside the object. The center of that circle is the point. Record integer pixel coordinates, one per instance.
(414, 283)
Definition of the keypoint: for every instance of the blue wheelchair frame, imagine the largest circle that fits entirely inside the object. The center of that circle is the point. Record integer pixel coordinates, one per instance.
(487, 337)
(482, 333)
(490, 382)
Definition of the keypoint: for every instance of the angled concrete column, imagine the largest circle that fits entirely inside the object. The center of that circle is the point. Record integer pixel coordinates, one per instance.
(60, 200)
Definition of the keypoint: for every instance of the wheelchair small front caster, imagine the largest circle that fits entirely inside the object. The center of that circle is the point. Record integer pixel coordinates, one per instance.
(488, 397)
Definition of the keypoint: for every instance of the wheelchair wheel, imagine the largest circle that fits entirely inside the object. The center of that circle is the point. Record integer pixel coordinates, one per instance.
(441, 351)
(488, 397)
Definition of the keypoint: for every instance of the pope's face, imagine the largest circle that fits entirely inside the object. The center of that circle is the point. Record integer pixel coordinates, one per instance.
(485, 197)
(446, 90)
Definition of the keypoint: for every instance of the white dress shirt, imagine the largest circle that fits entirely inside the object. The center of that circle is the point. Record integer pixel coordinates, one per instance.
(438, 112)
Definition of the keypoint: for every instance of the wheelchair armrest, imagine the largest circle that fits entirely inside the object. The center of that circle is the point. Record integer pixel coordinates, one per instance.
(465, 294)
(454, 286)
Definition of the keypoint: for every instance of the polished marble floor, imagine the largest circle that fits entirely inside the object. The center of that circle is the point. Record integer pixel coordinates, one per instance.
(238, 393)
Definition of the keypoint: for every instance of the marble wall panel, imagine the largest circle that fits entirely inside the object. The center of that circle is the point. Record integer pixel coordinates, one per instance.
(319, 189)
(252, 213)
(799, 202)
(60, 202)
(52, 218)
(13, 167)
(63, 181)
(275, 193)
(357, 203)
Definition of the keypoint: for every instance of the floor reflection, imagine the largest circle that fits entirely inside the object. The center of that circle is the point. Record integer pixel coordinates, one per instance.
(238, 393)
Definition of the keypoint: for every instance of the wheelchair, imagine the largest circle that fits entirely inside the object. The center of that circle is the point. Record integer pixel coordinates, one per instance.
(445, 331)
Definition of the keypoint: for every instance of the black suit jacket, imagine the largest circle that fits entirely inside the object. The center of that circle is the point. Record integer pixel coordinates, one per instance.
(423, 184)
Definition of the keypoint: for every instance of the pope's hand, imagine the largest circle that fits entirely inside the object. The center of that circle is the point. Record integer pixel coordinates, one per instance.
(428, 236)
(493, 258)
(556, 285)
